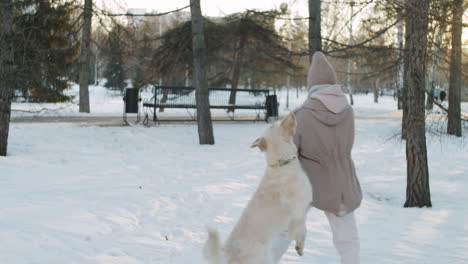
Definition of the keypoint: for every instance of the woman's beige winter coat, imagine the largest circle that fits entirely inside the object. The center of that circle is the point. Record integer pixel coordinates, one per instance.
(324, 137)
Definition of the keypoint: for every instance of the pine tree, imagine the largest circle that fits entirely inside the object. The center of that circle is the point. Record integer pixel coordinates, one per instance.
(44, 49)
(240, 46)
(114, 71)
(253, 45)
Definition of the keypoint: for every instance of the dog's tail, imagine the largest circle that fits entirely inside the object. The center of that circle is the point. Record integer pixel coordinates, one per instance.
(213, 249)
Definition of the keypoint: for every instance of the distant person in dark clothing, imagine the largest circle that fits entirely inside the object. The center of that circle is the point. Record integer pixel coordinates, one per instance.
(442, 95)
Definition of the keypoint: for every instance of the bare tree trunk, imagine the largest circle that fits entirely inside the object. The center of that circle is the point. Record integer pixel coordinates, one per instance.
(236, 68)
(84, 57)
(376, 84)
(234, 84)
(400, 68)
(164, 99)
(187, 80)
(406, 62)
(167, 79)
(455, 84)
(205, 128)
(435, 59)
(432, 71)
(165, 95)
(315, 36)
(288, 75)
(417, 188)
(6, 71)
(350, 63)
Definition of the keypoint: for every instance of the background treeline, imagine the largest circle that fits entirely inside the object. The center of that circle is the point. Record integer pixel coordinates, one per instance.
(250, 49)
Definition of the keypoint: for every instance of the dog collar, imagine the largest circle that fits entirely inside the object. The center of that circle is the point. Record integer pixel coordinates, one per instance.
(282, 162)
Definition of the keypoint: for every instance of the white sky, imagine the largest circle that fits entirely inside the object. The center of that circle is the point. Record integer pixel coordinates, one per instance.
(222, 7)
(212, 7)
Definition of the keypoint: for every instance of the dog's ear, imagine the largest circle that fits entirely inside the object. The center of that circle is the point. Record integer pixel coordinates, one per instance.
(260, 143)
(288, 124)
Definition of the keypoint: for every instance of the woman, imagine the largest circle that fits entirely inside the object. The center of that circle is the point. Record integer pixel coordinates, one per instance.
(324, 138)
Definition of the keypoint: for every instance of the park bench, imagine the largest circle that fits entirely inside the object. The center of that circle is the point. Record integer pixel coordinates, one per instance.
(170, 97)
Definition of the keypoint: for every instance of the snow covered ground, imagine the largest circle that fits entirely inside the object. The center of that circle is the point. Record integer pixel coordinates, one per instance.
(74, 193)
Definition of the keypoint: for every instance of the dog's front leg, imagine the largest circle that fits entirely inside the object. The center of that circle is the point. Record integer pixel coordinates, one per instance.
(297, 231)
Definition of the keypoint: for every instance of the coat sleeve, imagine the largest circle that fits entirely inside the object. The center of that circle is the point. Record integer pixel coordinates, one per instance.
(297, 136)
(352, 127)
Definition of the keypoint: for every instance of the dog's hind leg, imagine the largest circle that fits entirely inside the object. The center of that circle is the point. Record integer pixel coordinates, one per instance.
(212, 250)
(297, 231)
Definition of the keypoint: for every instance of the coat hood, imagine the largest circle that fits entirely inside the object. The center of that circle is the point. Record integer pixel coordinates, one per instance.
(329, 104)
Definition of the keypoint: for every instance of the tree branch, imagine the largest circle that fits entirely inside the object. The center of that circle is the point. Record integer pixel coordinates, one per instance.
(105, 13)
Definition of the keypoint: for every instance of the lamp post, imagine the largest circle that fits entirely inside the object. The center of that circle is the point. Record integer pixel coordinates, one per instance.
(284, 10)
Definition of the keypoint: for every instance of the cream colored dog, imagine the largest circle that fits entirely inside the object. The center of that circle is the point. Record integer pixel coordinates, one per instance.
(280, 203)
